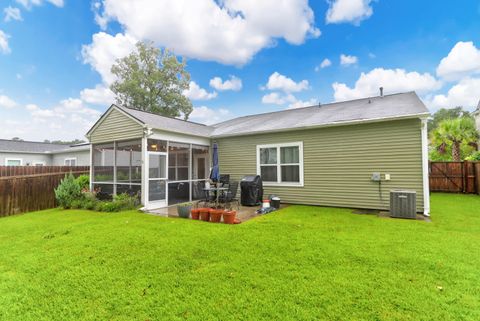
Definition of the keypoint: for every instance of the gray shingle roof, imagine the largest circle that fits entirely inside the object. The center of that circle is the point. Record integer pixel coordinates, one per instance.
(168, 123)
(365, 109)
(29, 147)
(388, 106)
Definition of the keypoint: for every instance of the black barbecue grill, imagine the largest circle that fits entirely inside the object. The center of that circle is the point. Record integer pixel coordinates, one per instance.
(251, 190)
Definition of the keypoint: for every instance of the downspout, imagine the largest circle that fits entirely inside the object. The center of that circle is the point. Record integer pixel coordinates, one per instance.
(426, 185)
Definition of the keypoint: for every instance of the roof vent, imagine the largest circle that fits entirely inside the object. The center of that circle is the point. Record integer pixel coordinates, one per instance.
(381, 91)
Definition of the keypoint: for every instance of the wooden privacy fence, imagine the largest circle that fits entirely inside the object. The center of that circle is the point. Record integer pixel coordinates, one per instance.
(32, 170)
(455, 177)
(19, 194)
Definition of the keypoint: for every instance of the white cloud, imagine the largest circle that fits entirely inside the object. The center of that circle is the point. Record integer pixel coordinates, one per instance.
(227, 31)
(233, 83)
(277, 81)
(100, 95)
(104, 50)
(350, 11)
(466, 94)
(301, 103)
(28, 4)
(278, 99)
(393, 80)
(4, 48)
(12, 13)
(463, 60)
(209, 116)
(194, 92)
(346, 60)
(324, 64)
(68, 119)
(7, 102)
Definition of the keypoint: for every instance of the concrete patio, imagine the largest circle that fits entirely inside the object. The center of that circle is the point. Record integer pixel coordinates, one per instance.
(244, 213)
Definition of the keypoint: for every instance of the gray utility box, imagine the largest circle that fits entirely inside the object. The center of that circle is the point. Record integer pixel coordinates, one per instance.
(403, 204)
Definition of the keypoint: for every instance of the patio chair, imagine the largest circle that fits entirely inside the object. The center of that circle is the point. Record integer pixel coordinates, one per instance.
(229, 196)
(224, 179)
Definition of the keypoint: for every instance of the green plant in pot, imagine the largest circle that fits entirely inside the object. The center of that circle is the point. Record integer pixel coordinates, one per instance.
(183, 209)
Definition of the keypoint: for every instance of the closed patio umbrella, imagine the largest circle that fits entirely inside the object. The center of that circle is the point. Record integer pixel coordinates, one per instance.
(215, 173)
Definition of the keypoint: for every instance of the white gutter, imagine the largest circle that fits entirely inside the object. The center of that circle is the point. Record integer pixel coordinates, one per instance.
(339, 123)
(426, 184)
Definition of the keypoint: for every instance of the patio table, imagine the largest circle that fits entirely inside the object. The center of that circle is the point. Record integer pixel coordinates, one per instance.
(218, 190)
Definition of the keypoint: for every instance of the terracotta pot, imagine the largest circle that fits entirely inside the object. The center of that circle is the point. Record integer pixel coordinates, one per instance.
(229, 217)
(205, 214)
(216, 215)
(195, 213)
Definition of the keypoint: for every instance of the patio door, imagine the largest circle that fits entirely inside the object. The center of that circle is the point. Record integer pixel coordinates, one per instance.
(157, 179)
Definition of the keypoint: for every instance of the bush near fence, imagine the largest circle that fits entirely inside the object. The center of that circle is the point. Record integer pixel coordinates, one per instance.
(32, 192)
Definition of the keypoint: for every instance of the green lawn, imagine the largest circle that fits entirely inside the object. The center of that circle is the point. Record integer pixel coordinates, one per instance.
(301, 263)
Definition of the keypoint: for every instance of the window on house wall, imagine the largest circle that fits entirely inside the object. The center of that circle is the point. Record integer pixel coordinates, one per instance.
(281, 164)
(13, 161)
(70, 161)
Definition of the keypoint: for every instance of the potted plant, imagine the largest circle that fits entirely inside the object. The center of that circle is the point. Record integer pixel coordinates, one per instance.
(216, 215)
(195, 213)
(229, 217)
(183, 209)
(205, 214)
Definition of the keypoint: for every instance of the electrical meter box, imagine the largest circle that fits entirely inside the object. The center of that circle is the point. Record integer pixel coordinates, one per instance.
(376, 177)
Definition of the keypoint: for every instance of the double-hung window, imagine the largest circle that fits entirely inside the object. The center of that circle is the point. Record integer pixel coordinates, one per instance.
(70, 161)
(281, 164)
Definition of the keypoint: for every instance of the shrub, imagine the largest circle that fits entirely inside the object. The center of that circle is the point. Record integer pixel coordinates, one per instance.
(68, 191)
(84, 182)
(77, 204)
(474, 157)
(126, 202)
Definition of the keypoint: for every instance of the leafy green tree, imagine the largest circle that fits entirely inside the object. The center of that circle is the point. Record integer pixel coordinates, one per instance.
(454, 133)
(445, 113)
(151, 79)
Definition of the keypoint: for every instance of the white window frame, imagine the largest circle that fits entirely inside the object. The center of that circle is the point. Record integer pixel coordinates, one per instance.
(278, 165)
(13, 159)
(70, 159)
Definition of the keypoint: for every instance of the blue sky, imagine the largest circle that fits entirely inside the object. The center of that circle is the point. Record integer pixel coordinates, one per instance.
(55, 55)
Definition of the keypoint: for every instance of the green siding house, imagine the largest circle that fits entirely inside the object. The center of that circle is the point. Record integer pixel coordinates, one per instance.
(319, 155)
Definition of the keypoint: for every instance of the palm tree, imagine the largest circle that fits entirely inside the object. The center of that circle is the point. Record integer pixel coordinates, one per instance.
(455, 132)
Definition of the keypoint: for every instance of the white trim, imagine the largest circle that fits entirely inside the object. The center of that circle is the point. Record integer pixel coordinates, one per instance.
(159, 203)
(179, 138)
(426, 186)
(70, 159)
(91, 167)
(278, 164)
(13, 159)
(334, 124)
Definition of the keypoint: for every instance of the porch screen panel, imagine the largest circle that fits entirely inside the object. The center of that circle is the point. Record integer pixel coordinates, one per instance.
(129, 162)
(178, 161)
(103, 163)
(200, 162)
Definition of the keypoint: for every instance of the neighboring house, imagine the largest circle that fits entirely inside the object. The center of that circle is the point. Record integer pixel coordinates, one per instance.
(25, 153)
(319, 155)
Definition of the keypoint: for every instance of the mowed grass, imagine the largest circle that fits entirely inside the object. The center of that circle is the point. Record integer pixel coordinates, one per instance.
(301, 263)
